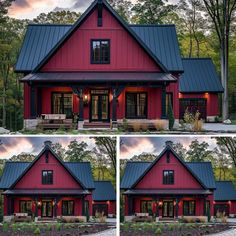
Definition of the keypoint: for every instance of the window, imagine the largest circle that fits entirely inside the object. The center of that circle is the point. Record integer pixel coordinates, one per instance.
(62, 104)
(67, 208)
(100, 51)
(146, 207)
(47, 177)
(136, 105)
(168, 177)
(26, 207)
(189, 208)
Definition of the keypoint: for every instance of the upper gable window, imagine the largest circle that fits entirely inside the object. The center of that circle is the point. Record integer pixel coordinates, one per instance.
(100, 51)
(168, 177)
(47, 177)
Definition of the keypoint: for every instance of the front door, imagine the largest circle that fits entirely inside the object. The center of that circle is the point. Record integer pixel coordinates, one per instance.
(99, 109)
(100, 209)
(168, 209)
(47, 209)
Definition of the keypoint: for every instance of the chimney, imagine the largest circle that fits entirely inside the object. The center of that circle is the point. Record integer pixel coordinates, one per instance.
(169, 143)
(47, 143)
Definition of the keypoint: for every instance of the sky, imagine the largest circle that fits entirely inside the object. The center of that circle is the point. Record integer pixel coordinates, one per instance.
(29, 9)
(16, 145)
(131, 146)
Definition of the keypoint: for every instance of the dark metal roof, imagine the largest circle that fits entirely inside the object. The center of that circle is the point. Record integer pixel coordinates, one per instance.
(67, 192)
(13, 170)
(98, 77)
(38, 41)
(199, 76)
(41, 41)
(225, 191)
(104, 191)
(167, 191)
(135, 170)
(162, 40)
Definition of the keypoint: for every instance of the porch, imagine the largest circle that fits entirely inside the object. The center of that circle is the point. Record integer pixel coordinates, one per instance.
(46, 206)
(99, 99)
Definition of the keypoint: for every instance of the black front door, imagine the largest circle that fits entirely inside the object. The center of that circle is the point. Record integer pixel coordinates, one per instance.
(47, 209)
(100, 208)
(168, 209)
(99, 106)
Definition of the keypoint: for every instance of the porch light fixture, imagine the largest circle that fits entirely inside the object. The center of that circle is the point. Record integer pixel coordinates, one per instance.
(108, 202)
(160, 203)
(86, 99)
(39, 204)
(229, 202)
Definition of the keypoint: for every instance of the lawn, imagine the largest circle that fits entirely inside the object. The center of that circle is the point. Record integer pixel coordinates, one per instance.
(32, 229)
(173, 229)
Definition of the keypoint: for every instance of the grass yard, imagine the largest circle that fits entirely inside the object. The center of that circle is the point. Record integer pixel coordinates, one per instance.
(180, 229)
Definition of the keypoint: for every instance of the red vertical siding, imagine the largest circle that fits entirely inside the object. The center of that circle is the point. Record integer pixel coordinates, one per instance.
(182, 178)
(61, 178)
(212, 101)
(126, 54)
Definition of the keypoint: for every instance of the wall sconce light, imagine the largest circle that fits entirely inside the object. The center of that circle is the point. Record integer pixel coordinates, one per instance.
(86, 99)
(108, 202)
(39, 204)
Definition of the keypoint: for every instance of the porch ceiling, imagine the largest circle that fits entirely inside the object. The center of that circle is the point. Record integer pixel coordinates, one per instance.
(46, 191)
(167, 191)
(100, 77)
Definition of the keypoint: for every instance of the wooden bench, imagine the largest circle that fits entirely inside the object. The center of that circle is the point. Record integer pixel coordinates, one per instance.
(22, 217)
(142, 217)
(55, 121)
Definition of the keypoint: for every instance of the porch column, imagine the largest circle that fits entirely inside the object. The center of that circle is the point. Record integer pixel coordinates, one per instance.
(157, 207)
(80, 92)
(130, 206)
(177, 207)
(36, 206)
(32, 102)
(163, 102)
(10, 206)
(39, 101)
(83, 207)
(55, 207)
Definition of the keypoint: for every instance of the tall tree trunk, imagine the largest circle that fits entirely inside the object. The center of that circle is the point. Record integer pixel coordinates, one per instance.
(190, 46)
(4, 111)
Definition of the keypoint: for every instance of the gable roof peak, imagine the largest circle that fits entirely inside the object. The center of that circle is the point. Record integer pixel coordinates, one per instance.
(169, 144)
(48, 144)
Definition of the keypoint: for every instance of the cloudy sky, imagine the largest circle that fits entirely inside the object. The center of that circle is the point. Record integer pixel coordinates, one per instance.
(29, 9)
(136, 145)
(16, 145)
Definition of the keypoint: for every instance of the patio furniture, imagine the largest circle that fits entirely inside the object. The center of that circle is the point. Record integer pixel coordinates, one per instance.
(22, 217)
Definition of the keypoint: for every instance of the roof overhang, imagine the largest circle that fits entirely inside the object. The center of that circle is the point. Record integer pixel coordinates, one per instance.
(88, 77)
(167, 192)
(65, 192)
(201, 91)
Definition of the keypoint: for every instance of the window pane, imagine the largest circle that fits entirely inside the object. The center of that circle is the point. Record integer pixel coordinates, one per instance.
(47, 177)
(100, 51)
(131, 105)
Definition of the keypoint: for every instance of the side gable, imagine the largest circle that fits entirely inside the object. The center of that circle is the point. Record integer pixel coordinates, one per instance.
(62, 175)
(184, 177)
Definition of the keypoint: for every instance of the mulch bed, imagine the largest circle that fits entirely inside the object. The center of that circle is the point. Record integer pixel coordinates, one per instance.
(194, 231)
(65, 230)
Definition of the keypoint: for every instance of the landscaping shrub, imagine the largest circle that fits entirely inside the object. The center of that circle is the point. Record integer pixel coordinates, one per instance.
(14, 227)
(171, 116)
(37, 231)
(125, 125)
(49, 227)
(159, 125)
(136, 126)
(158, 231)
(5, 227)
(58, 227)
(144, 127)
(197, 124)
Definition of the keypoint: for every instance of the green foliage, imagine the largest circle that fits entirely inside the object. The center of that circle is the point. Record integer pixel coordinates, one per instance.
(158, 231)
(5, 227)
(171, 115)
(58, 226)
(37, 231)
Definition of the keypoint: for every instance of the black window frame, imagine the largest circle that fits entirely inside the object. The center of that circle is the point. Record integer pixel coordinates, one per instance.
(188, 208)
(166, 181)
(100, 62)
(146, 203)
(28, 211)
(66, 213)
(146, 106)
(47, 182)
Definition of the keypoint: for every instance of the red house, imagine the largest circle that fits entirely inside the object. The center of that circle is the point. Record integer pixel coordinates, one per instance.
(103, 70)
(48, 188)
(168, 188)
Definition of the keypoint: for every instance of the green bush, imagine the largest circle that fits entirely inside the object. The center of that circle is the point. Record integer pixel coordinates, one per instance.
(58, 227)
(37, 231)
(171, 116)
(5, 227)
(49, 227)
(158, 231)
(14, 227)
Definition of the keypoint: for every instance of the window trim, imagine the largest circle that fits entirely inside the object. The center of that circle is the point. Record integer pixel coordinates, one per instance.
(146, 105)
(188, 201)
(26, 201)
(163, 182)
(146, 205)
(91, 52)
(67, 201)
(42, 177)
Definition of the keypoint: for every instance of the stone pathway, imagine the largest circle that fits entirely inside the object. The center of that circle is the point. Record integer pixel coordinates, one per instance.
(109, 232)
(231, 232)
(219, 127)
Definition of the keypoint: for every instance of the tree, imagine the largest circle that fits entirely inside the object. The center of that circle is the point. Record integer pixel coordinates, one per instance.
(151, 11)
(228, 144)
(59, 150)
(180, 150)
(198, 152)
(77, 151)
(4, 5)
(107, 146)
(23, 157)
(123, 8)
(58, 17)
(144, 157)
(222, 14)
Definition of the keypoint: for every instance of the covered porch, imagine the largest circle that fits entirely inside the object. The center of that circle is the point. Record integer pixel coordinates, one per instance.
(46, 204)
(99, 98)
(167, 204)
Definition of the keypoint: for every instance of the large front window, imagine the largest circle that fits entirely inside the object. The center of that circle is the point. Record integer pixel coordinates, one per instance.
(47, 177)
(100, 51)
(168, 177)
(26, 207)
(136, 105)
(146, 207)
(62, 103)
(67, 208)
(189, 208)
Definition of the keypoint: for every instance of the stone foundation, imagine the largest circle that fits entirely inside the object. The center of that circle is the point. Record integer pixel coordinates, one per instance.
(8, 218)
(211, 118)
(31, 124)
(129, 218)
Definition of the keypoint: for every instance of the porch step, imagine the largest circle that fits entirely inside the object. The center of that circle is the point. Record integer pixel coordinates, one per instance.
(99, 125)
(47, 220)
(168, 220)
